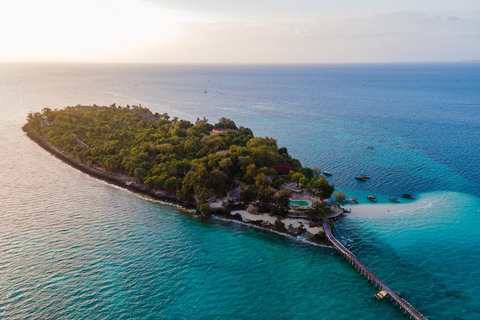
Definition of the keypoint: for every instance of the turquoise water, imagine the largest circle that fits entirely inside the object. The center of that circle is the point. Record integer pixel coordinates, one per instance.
(73, 247)
(434, 250)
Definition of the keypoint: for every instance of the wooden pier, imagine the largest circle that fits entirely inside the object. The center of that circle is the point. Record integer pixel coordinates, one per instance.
(402, 304)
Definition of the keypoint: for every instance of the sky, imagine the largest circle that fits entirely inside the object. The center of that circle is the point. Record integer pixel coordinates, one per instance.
(246, 31)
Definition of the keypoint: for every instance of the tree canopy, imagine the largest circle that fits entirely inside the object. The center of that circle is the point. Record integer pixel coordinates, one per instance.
(175, 155)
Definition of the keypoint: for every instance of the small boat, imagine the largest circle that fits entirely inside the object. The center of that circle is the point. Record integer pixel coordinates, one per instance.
(328, 174)
(407, 196)
(364, 176)
(370, 147)
(352, 200)
(360, 178)
(393, 199)
(205, 91)
(372, 198)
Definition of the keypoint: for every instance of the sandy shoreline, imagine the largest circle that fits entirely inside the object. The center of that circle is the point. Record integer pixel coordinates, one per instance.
(289, 223)
(292, 224)
(382, 210)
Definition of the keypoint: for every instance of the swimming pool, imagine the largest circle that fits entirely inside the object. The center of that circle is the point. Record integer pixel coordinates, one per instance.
(300, 203)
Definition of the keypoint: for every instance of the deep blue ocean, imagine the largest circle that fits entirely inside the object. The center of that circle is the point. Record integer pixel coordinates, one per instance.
(73, 247)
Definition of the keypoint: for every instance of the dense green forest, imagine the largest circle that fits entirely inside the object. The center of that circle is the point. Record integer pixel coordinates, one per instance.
(192, 160)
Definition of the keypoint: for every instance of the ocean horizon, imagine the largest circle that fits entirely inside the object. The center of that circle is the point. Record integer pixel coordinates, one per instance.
(76, 247)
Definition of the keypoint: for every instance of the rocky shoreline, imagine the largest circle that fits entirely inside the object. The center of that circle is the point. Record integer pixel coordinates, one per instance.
(124, 181)
(277, 227)
(133, 184)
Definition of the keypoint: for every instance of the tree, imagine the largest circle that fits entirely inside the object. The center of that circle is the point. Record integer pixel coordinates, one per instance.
(204, 209)
(277, 183)
(251, 173)
(264, 191)
(261, 181)
(318, 211)
(111, 164)
(171, 154)
(140, 173)
(307, 172)
(225, 165)
(196, 181)
(225, 123)
(281, 204)
(266, 198)
(271, 141)
(201, 122)
(304, 182)
(339, 197)
(172, 184)
(316, 172)
(296, 177)
(324, 189)
(248, 193)
(217, 182)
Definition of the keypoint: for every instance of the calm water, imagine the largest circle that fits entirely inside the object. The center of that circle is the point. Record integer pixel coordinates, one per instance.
(74, 247)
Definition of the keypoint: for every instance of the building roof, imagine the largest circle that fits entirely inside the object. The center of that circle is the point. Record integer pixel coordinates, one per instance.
(283, 170)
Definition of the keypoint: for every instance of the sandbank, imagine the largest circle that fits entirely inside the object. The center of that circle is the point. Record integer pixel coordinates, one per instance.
(382, 210)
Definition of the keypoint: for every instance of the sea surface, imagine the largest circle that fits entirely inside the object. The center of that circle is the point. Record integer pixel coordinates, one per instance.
(73, 247)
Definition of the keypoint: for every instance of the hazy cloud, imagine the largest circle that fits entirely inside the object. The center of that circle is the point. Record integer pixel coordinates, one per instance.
(287, 9)
(452, 18)
(267, 31)
(400, 36)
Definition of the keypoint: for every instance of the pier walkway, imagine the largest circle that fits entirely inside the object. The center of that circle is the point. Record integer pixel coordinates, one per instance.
(400, 302)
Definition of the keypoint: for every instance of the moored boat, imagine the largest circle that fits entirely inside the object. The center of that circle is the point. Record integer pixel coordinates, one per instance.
(352, 200)
(393, 199)
(360, 178)
(364, 176)
(328, 174)
(372, 198)
(407, 196)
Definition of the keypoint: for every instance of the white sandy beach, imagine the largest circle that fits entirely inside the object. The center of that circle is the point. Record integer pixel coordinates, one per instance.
(387, 209)
(248, 217)
(295, 223)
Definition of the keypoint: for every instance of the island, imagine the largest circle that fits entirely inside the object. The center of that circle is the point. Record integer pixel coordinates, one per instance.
(215, 169)
(218, 169)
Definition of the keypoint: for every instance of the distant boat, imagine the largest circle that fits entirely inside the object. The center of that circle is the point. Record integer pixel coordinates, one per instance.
(364, 176)
(360, 178)
(328, 174)
(370, 147)
(408, 196)
(205, 91)
(372, 198)
(393, 199)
